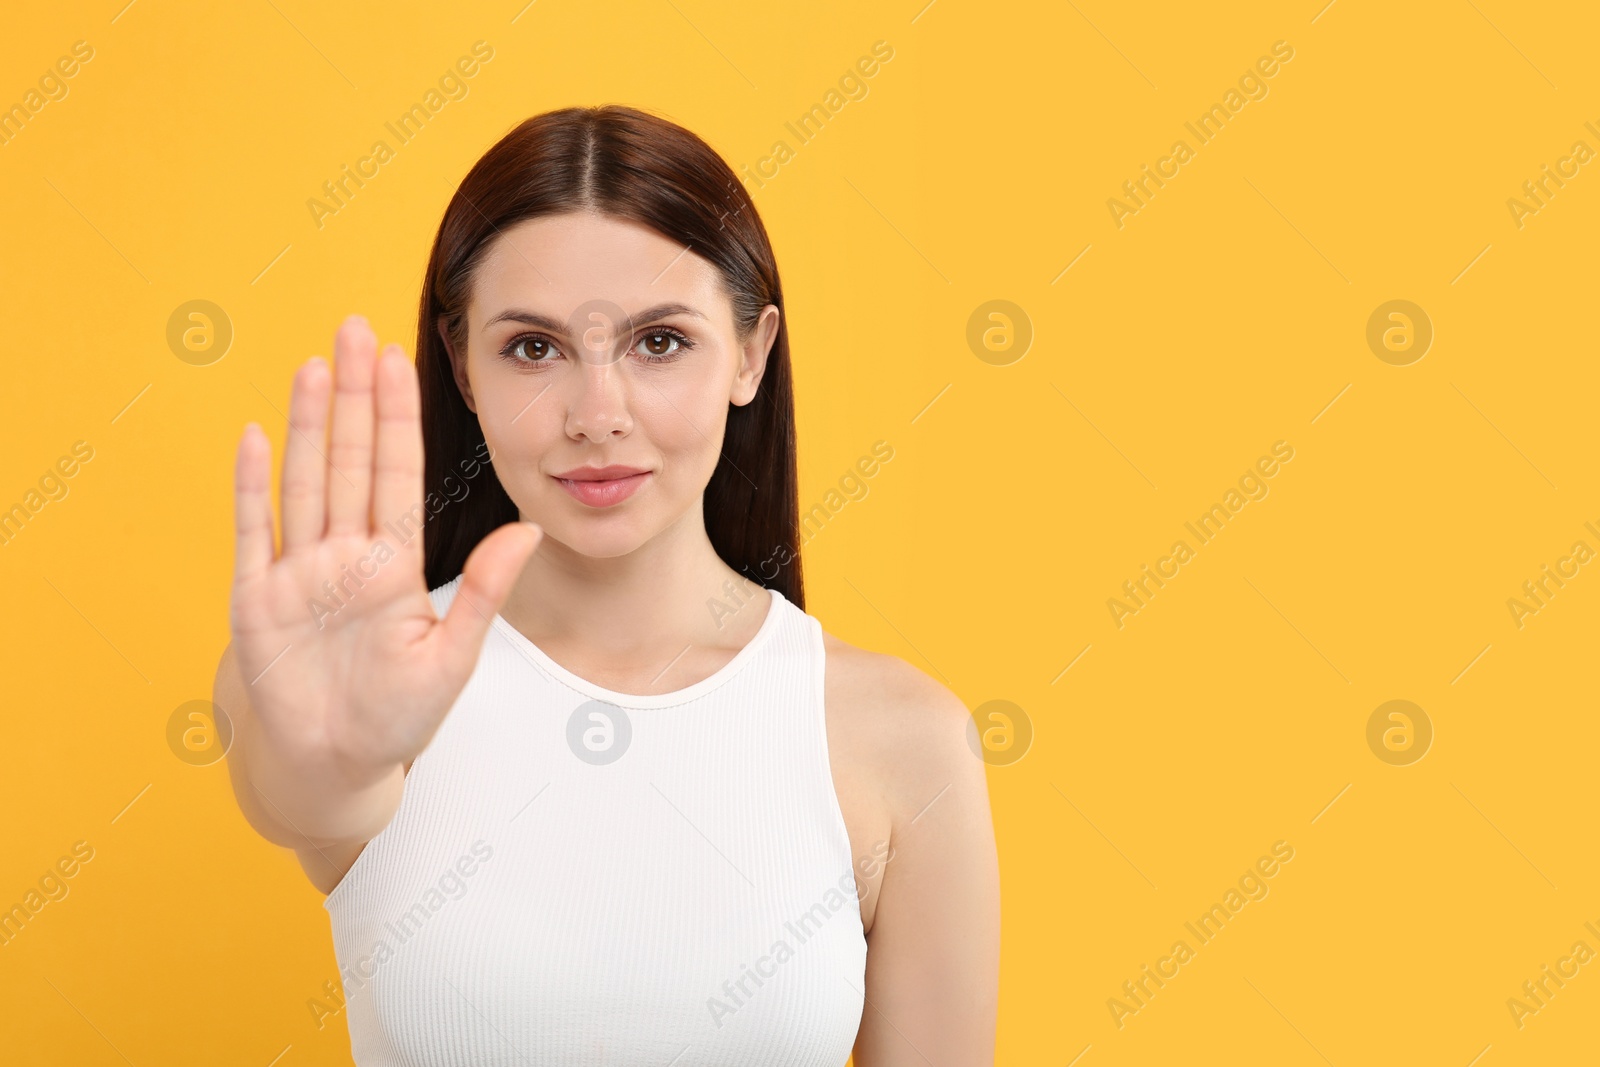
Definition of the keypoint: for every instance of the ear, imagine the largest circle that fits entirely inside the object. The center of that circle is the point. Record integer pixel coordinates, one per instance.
(754, 357)
(458, 366)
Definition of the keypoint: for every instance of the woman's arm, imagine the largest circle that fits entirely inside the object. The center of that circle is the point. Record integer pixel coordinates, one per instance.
(934, 949)
(287, 801)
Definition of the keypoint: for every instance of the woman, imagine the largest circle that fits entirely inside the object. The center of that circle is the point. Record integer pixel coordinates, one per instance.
(618, 800)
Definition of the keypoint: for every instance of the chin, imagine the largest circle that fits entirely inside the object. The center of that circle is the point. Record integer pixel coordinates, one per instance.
(597, 534)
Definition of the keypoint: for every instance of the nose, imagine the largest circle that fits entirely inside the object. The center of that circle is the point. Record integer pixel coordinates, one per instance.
(598, 406)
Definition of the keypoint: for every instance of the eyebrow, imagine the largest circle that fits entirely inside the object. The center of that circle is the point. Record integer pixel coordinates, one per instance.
(544, 322)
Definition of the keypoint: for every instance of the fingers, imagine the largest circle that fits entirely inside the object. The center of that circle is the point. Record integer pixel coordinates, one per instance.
(350, 446)
(486, 580)
(397, 474)
(252, 509)
(305, 468)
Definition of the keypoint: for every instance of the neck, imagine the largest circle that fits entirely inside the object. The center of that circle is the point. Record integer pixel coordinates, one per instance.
(642, 607)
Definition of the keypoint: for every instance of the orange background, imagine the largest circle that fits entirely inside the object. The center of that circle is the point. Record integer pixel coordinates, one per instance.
(1167, 354)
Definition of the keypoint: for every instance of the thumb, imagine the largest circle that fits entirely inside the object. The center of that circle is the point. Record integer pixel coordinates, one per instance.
(486, 580)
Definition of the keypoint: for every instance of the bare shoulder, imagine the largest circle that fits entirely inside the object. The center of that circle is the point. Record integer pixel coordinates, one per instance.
(931, 910)
(892, 690)
(899, 725)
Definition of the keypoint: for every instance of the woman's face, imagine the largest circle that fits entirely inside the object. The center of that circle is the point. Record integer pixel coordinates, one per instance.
(597, 342)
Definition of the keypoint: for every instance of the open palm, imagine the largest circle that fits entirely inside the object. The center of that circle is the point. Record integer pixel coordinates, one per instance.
(348, 666)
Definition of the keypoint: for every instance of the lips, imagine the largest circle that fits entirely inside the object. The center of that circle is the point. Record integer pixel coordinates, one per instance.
(600, 474)
(602, 487)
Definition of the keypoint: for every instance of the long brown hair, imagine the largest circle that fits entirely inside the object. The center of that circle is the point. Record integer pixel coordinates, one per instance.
(628, 164)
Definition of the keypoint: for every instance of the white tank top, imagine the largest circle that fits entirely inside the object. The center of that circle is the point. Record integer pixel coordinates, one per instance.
(578, 876)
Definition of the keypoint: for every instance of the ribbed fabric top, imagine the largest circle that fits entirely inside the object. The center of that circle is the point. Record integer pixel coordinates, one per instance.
(578, 876)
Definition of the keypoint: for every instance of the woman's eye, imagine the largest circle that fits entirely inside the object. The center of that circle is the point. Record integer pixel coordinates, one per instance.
(531, 349)
(659, 343)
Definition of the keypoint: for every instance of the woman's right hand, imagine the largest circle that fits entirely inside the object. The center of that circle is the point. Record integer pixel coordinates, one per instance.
(352, 688)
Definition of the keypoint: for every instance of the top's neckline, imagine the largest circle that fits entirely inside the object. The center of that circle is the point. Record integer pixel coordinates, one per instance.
(528, 649)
